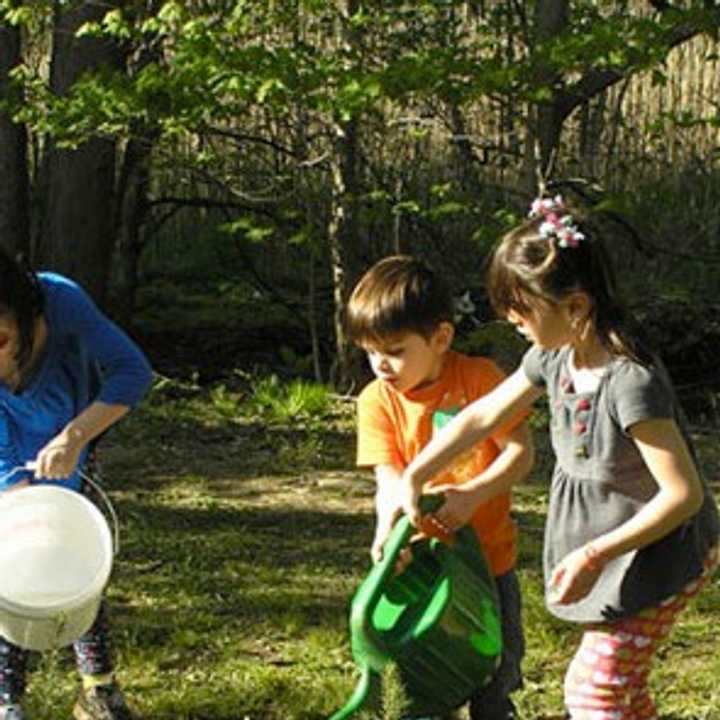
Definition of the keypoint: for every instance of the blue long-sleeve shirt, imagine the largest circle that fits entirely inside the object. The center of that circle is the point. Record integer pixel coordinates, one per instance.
(87, 358)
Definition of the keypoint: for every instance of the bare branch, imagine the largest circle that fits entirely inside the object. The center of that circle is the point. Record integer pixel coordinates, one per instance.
(240, 138)
(210, 204)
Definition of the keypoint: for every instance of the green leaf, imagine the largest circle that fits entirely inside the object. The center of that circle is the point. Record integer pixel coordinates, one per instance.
(448, 208)
(266, 87)
(22, 15)
(410, 207)
(116, 25)
(170, 13)
(89, 29)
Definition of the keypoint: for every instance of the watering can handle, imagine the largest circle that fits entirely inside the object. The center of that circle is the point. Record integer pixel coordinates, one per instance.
(374, 587)
(31, 465)
(398, 538)
(370, 592)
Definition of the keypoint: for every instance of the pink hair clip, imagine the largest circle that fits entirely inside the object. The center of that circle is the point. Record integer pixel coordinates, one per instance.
(556, 223)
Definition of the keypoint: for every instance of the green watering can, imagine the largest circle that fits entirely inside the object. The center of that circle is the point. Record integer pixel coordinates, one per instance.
(438, 621)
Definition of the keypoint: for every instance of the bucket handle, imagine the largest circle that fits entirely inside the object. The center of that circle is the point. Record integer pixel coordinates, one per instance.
(31, 466)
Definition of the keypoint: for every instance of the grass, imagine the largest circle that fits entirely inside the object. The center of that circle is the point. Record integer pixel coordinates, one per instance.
(242, 540)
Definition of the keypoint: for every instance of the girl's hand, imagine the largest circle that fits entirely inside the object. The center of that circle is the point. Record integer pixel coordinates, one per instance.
(18, 485)
(574, 577)
(58, 459)
(457, 509)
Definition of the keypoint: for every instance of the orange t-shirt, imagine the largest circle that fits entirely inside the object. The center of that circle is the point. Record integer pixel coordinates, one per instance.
(393, 427)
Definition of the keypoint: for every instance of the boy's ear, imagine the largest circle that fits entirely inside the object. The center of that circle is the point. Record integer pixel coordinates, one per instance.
(443, 336)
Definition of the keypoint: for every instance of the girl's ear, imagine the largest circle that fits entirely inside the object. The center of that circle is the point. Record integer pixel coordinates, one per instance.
(579, 305)
(443, 336)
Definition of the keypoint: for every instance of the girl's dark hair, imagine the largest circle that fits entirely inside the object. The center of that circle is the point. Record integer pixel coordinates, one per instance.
(398, 294)
(526, 267)
(22, 297)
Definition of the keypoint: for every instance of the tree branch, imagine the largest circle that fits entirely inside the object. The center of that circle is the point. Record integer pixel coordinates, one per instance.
(597, 80)
(241, 138)
(591, 196)
(210, 204)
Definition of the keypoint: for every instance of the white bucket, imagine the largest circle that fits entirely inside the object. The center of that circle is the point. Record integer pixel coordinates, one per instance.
(56, 554)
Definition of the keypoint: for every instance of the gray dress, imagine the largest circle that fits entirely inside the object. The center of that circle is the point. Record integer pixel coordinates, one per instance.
(600, 481)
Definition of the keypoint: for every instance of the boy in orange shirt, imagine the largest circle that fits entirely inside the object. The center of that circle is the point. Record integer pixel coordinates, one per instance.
(401, 314)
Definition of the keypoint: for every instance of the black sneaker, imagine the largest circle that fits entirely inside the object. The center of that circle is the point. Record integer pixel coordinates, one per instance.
(103, 702)
(502, 709)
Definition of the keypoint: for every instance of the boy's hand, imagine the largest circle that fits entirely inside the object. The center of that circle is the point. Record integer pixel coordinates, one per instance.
(409, 494)
(376, 549)
(382, 531)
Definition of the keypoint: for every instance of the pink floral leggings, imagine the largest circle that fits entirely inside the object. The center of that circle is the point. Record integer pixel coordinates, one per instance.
(607, 678)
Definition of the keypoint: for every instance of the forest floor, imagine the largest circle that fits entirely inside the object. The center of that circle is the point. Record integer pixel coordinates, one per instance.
(242, 541)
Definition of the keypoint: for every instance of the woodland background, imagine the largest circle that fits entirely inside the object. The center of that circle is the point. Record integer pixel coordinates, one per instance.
(239, 163)
(218, 173)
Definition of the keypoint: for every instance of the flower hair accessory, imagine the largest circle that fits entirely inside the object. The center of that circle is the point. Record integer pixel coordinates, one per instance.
(557, 222)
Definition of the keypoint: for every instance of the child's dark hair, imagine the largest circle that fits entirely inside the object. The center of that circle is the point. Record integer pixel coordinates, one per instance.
(398, 294)
(21, 297)
(529, 266)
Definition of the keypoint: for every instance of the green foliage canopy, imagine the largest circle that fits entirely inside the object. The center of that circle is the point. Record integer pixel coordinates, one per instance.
(191, 65)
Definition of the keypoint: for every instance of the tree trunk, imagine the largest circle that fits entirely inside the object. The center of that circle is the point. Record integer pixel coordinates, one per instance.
(342, 233)
(467, 157)
(545, 120)
(342, 225)
(77, 234)
(15, 183)
(132, 212)
(312, 319)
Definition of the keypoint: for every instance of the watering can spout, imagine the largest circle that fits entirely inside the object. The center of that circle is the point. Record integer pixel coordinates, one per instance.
(368, 687)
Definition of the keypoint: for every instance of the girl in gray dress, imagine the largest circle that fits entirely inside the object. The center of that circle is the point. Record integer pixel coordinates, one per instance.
(632, 528)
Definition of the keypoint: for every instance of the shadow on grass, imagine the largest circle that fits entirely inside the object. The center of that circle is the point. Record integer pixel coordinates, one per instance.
(185, 574)
(235, 593)
(222, 565)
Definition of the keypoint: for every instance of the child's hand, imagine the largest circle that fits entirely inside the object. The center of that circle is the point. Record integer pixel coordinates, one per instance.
(382, 531)
(409, 496)
(573, 578)
(404, 557)
(58, 459)
(457, 509)
(17, 485)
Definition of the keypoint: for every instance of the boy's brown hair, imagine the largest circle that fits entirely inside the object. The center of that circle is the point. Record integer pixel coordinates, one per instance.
(399, 294)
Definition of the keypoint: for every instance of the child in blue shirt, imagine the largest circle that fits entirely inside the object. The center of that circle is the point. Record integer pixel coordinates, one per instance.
(67, 373)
